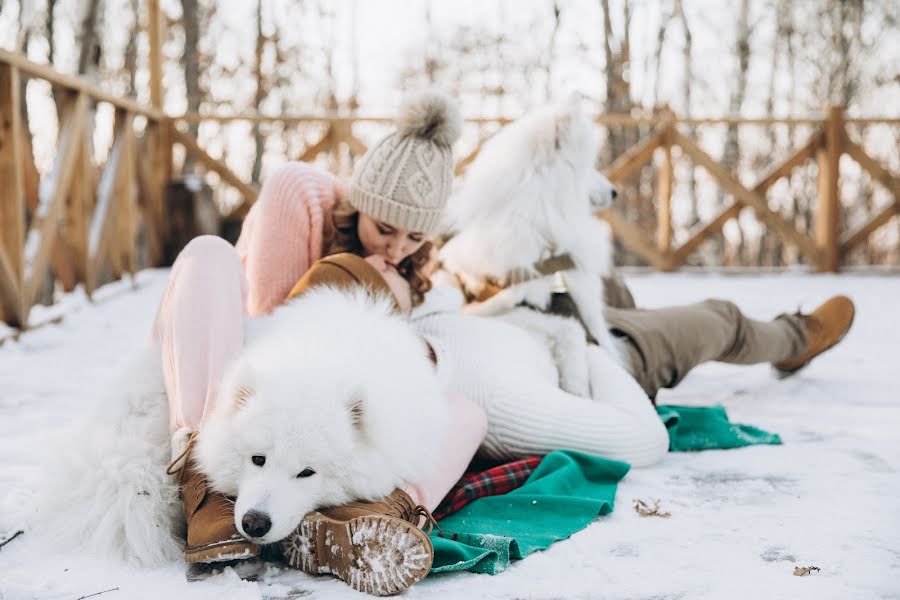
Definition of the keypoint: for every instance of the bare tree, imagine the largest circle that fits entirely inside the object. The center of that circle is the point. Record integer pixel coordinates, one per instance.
(258, 139)
(190, 58)
(131, 49)
(664, 20)
(687, 83)
(90, 50)
(731, 152)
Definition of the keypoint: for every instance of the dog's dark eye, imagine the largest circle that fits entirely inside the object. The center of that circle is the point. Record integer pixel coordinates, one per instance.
(258, 460)
(307, 472)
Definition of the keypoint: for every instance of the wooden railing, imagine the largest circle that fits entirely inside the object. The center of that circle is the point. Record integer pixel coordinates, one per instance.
(81, 220)
(823, 248)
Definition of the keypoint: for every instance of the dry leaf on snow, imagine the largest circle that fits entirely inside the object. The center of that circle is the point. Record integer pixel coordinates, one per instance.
(645, 510)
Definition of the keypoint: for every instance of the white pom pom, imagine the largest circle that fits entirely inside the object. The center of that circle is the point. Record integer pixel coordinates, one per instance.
(432, 116)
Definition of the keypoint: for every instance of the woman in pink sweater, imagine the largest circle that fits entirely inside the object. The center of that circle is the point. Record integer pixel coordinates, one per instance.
(394, 200)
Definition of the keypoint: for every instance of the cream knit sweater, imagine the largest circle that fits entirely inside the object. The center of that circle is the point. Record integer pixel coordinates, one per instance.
(509, 373)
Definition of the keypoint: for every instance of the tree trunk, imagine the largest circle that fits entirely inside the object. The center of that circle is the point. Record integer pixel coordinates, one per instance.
(190, 20)
(131, 48)
(258, 139)
(686, 84)
(769, 248)
(90, 52)
(664, 21)
(731, 153)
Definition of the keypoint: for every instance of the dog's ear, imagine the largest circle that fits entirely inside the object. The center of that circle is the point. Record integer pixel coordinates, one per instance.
(242, 395)
(356, 410)
(242, 385)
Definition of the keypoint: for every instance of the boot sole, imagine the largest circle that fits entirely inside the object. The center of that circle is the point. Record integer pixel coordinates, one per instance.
(221, 551)
(375, 554)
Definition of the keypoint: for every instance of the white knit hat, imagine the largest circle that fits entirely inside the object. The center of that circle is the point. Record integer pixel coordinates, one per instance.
(404, 180)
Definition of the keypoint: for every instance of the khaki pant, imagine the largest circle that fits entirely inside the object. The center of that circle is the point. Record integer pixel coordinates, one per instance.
(664, 344)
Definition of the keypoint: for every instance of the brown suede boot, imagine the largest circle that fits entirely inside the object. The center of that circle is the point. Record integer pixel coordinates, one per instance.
(374, 547)
(825, 326)
(211, 533)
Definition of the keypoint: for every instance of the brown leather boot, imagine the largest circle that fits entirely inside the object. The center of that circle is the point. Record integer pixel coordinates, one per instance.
(374, 547)
(825, 326)
(211, 533)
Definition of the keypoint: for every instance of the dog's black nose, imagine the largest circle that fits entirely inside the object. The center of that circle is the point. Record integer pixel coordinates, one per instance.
(256, 524)
(614, 194)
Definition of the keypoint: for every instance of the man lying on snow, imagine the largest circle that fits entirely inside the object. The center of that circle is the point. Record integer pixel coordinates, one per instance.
(334, 400)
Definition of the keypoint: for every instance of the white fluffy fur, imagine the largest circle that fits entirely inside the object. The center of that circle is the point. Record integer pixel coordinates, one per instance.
(530, 194)
(107, 490)
(431, 115)
(310, 361)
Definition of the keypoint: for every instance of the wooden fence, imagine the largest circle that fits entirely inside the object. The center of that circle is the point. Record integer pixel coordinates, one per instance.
(80, 220)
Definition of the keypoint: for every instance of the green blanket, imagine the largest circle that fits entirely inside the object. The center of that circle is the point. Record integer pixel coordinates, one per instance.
(708, 428)
(565, 493)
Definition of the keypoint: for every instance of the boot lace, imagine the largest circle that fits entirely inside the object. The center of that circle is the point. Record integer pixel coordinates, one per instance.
(430, 521)
(174, 467)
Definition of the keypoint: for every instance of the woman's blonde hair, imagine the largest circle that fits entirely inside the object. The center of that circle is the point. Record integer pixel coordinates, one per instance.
(343, 236)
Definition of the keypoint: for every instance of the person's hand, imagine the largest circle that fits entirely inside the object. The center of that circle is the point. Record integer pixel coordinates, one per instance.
(398, 285)
(379, 262)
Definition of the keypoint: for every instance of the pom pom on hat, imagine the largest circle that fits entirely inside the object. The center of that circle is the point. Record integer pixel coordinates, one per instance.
(430, 116)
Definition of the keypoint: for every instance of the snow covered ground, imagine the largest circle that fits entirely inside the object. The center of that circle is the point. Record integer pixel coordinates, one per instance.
(742, 520)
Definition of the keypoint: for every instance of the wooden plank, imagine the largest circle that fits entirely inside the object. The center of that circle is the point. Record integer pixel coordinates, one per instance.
(76, 84)
(828, 209)
(103, 220)
(156, 27)
(149, 200)
(731, 185)
(878, 172)
(634, 157)
(323, 145)
(863, 233)
(469, 158)
(806, 152)
(704, 232)
(12, 200)
(61, 255)
(634, 239)
(42, 234)
(665, 181)
(159, 141)
(82, 211)
(126, 212)
(601, 119)
(357, 147)
(801, 156)
(10, 292)
(216, 165)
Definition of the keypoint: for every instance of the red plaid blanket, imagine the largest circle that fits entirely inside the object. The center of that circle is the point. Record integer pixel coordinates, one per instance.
(479, 482)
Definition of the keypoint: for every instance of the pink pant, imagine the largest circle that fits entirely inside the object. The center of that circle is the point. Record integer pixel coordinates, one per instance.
(200, 329)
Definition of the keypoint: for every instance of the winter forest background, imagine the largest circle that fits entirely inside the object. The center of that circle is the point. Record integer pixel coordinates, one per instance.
(697, 58)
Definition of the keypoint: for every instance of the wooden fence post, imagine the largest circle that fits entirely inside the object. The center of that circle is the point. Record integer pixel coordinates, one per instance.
(12, 201)
(160, 135)
(665, 182)
(828, 210)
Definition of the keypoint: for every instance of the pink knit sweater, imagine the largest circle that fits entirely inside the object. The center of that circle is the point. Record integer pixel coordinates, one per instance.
(283, 232)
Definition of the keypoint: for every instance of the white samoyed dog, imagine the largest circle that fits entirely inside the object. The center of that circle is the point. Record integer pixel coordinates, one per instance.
(523, 223)
(527, 200)
(334, 395)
